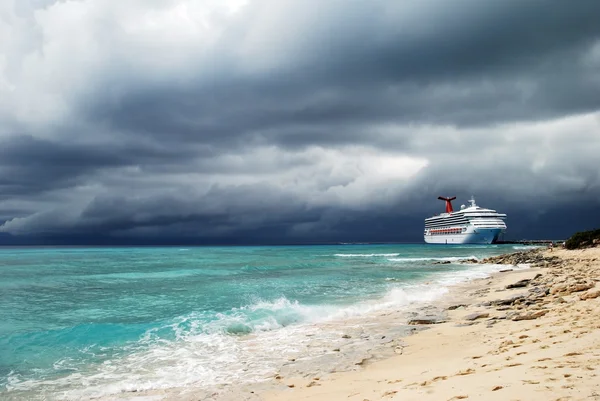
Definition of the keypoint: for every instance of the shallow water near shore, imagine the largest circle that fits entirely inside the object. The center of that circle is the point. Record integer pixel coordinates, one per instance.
(88, 322)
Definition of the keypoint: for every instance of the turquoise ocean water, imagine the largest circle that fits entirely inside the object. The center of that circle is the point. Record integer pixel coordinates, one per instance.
(87, 322)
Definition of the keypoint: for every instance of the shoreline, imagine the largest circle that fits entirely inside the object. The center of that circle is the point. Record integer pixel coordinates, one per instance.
(541, 341)
(462, 352)
(327, 337)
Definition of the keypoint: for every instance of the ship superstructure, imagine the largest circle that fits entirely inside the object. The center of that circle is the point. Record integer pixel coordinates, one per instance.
(470, 225)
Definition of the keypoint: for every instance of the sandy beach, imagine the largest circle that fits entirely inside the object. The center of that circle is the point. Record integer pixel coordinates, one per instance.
(539, 341)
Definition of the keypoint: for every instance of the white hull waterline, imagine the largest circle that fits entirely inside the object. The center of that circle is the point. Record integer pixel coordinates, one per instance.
(470, 225)
(481, 236)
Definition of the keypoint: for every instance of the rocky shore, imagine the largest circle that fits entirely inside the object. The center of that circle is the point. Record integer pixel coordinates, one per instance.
(559, 277)
(534, 257)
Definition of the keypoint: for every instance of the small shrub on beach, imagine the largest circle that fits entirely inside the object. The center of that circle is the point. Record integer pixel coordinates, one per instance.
(583, 239)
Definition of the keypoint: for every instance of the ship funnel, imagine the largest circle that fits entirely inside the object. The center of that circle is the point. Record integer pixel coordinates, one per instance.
(448, 203)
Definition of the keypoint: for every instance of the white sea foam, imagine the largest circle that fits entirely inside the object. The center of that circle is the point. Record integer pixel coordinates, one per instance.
(475, 271)
(206, 354)
(415, 294)
(525, 247)
(201, 357)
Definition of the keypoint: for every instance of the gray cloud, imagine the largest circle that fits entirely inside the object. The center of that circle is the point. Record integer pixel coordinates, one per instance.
(285, 121)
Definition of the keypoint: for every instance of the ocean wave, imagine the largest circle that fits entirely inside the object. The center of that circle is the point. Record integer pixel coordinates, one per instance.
(200, 350)
(525, 247)
(443, 259)
(365, 255)
(203, 349)
(264, 315)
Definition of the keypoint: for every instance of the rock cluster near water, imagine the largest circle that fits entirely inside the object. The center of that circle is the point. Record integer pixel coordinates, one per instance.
(533, 257)
(560, 279)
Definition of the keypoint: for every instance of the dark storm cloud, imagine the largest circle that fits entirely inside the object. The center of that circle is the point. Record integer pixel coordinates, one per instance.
(363, 63)
(294, 121)
(29, 164)
(224, 211)
(32, 165)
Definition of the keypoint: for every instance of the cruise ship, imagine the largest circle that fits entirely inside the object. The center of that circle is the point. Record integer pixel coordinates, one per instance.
(470, 225)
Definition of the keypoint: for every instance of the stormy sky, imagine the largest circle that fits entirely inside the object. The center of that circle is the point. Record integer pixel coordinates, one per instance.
(288, 121)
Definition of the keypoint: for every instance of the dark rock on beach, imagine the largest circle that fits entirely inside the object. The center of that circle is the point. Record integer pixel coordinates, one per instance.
(505, 301)
(425, 320)
(539, 291)
(519, 284)
(477, 315)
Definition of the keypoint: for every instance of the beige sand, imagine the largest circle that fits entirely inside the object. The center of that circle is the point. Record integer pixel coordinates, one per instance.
(554, 356)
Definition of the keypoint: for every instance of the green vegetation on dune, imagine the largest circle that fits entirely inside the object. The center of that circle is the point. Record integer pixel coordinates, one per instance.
(584, 239)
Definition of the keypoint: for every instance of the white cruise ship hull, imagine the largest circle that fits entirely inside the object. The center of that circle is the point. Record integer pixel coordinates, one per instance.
(476, 236)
